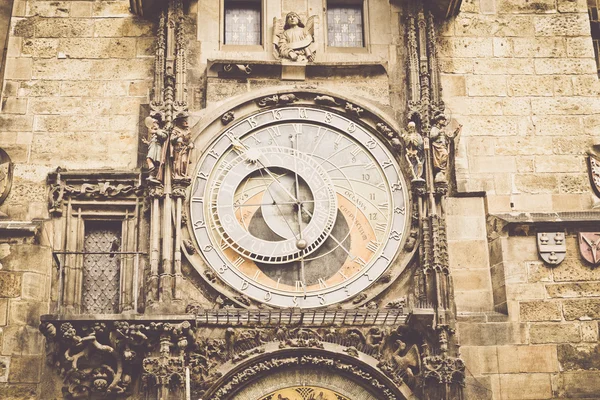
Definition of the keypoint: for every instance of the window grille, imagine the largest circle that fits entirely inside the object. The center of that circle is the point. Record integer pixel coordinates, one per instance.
(345, 25)
(101, 269)
(593, 6)
(242, 22)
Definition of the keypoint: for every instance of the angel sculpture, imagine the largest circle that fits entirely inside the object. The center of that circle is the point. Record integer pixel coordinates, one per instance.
(294, 40)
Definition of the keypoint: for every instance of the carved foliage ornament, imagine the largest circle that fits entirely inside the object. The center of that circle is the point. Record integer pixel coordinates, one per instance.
(552, 247)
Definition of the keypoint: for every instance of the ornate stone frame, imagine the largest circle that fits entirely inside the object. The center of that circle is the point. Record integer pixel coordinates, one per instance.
(376, 120)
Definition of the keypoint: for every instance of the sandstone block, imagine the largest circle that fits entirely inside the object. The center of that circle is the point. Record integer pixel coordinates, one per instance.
(467, 47)
(562, 66)
(542, 358)
(473, 300)
(516, 106)
(554, 333)
(66, 123)
(27, 257)
(507, 359)
(21, 312)
(476, 105)
(575, 145)
(467, 24)
(503, 66)
(11, 88)
(18, 68)
(22, 340)
(525, 85)
(139, 88)
(585, 85)
(526, 386)
(520, 248)
(35, 286)
(563, 85)
(39, 88)
(453, 65)
(81, 9)
(570, 202)
(580, 47)
(558, 125)
(581, 309)
(4, 367)
(502, 47)
(517, 146)
(118, 27)
(481, 85)
(471, 228)
(535, 183)
(538, 272)
(63, 27)
(545, 47)
(520, 7)
(580, 289)
(562, 25)
(565, 105)
(19, 391)
(468, 254)
(39, 48)
(98, 47)
(493, 126)
(73, 88)
(525, 291)
(110, 9)
(481, 359)
(565, 6)
(145, 47)
(525, 164)
(10, 284)
(3, 311)
(580, 384)
(539, 311)
(589, 331)
(574, 183)
(579, 357)
(14, 105)
(116, 88)
(108, 69)
(568, 163)
(25, 369)
(472, 279)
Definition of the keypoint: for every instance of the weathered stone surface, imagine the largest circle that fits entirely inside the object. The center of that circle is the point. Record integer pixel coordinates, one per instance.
(540, 311)
(35, 286)
(581, 309)
(562, 25)
(525, 291)
(579, 289)
(40, 47)
(25, 257)
(63, 27)
(118, 27)
(535, 183)
(4, 367)
(569, 163)
(18, 68)
(481, 359)
(579, 357)
(539, 47)
(564, 65)
(578, 385)
(98, 47)
(526, 386)
(22, 340)
(48, 8)
(555, 333)
(21, 312)
(524, 85)
(482, 85)
(538, 272)
(520, 7)
(83, 69)
(493, 333)
(537, 358)
(18, 392)
(572, 269)
(467, 24)
(589, 331)
(25, 369)
(468, 254)
(10, 284)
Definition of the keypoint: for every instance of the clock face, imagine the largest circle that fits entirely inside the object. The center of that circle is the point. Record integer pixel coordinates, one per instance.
(298, 207)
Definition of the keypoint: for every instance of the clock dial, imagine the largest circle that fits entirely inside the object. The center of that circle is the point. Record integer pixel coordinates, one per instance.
(298, 207)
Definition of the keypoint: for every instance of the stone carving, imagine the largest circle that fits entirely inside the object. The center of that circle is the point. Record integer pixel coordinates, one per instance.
(227, 117)
(389, 133)
(277, 99)
(552, 247)
(181, 146)
(398, 303)
(589, 247)
(404, 364)
(326, 100)
(6, 177)
(413, 143)
(354, 110)
(361, 297)
(155, 158)
(243, 68)
(294, 40)
(594, 168)
(440, 141)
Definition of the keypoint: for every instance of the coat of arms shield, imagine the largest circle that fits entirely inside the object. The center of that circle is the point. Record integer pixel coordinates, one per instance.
(589, 246)
(552, 247)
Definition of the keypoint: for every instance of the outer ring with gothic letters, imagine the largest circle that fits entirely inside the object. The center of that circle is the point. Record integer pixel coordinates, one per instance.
(379, 264)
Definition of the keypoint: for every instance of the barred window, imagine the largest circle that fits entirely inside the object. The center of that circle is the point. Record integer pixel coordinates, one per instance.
(345, 24)
(101, 269)
(243, 22)
(593, 6)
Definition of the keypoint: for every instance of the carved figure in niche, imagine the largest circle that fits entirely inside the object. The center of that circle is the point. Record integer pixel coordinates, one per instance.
(294, 40)
(440, 141)
(155, 158)
(407, 363)
(181, 147)
(413, 142)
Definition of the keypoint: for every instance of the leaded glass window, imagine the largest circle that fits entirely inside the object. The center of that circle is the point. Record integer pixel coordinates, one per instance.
(101, 269)
(345, 25)
(593, 6)
(242, 22)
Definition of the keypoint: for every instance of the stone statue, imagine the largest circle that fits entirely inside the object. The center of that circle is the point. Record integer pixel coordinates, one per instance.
(155, 158)
(294, 40)
(440, 140)
(413, 143)
(181, 147)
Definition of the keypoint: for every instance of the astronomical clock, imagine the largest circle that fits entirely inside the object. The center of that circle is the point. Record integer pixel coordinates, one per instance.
(298, 206)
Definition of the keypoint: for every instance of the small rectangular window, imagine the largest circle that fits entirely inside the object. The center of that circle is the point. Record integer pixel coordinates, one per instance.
(101, 269)
(345, 24)
(243, 22)
(593, 6)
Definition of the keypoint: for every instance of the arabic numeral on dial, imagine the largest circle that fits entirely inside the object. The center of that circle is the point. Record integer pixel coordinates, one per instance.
(371, 196)
(302, 113)
(396, 186)
(321, 299)
(222, 269)
(268, 296)
(252, 122)
(351, 127)
(395, 235)
(328, 117)
(245, 285)
(372, 216)
(295, 301)
(371, 144)
(199, 224)
(366, 177)
(276, 114)
(400, 210)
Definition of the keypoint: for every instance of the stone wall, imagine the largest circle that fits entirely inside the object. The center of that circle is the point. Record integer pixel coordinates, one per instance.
(521, 78)
(25, 272)
(76, 74)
